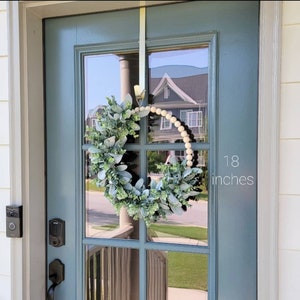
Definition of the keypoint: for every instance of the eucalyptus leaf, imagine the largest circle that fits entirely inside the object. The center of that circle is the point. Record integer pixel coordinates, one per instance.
(109, 142)
(116, 108)
(127, 114)
(159, 185)
(101, 183)
(146, 193)
(194, 193)
(86, 146)
(127, 102)
(139, 184)
(121, 194)
(125, 180)
(187, 172)
(153, 184)
(93, 150)
(173, 159)
(197, 170)
(143, 113)
(190, 177)
(136, 192)
(122, 167)
(101, 174)
(99, 128)
(112, 190)
(184, 186)
(125, 174)
(177, 210)
(128, 187)
(117, 157)
(164, 206)
(121, 142)
(172, 199)
(135, 126)
(116, 116)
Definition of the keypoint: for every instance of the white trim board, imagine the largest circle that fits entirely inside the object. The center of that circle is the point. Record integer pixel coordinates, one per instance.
(27, 123)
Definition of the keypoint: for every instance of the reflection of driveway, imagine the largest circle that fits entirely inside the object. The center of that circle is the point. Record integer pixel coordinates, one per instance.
(195, 215)
(100, 211)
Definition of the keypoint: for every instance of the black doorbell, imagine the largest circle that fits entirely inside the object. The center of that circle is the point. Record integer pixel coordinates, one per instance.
(14, 221)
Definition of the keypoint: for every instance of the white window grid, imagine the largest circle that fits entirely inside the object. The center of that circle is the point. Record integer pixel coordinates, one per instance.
(164, 123)
(194, 118)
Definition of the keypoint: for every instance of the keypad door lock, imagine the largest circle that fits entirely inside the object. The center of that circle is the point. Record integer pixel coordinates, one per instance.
(56, 232)
(14, 221)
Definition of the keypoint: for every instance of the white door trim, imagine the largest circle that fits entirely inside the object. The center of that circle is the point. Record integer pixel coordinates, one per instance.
(268, 148)
(27, 132)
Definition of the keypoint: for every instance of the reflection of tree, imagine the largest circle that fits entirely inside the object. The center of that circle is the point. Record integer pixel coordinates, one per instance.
(154, 158)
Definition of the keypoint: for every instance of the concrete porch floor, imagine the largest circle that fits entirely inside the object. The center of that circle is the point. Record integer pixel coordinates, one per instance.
(186, 294)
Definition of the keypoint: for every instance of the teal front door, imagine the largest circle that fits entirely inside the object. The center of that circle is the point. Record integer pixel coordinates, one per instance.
(198, 62)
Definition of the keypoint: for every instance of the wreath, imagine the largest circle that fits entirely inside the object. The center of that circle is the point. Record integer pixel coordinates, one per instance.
(180, 181)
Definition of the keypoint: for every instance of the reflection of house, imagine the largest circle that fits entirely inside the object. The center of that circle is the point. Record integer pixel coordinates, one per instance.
(182, 91)
(92, 116)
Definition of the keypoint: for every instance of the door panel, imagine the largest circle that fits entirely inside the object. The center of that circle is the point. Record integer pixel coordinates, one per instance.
(230, 150)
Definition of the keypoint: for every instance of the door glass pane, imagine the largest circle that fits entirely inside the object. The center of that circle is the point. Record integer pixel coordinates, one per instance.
(178, 84)
(106, 75)
(111, 273)
(176, 275)
(189, 224)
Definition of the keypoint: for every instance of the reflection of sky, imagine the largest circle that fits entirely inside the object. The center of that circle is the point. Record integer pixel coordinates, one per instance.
(102, 79)
(102, 72)
(192, 57)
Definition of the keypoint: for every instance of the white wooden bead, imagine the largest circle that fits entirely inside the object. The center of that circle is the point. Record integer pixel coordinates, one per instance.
(163, 113)
(137, 109)
(180, 128)
(142, 108)
(147, 107)
(153, 109)
(188, 145)
(177, 123)
(158, 111)
(173, 119)
(168, 116)
(189, 151)
(186, 139)
(184, 134)
(189, 163)
(189, 157)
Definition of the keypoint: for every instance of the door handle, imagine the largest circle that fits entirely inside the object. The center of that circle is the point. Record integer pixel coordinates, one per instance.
(56, 276)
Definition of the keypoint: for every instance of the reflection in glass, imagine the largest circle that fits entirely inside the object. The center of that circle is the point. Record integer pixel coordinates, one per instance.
(101, 218)
(107, 75)
(112, 273)
(191, 226)
(178, 83)
(174, 275)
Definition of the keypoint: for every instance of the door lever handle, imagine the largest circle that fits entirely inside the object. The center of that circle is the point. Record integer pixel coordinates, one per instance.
(50, 292)
(56, 276)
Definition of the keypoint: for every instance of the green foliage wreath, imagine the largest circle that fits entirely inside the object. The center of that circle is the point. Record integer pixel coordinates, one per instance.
(106, 147)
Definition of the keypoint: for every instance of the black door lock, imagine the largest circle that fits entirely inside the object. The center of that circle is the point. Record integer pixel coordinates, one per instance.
(56, 232)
